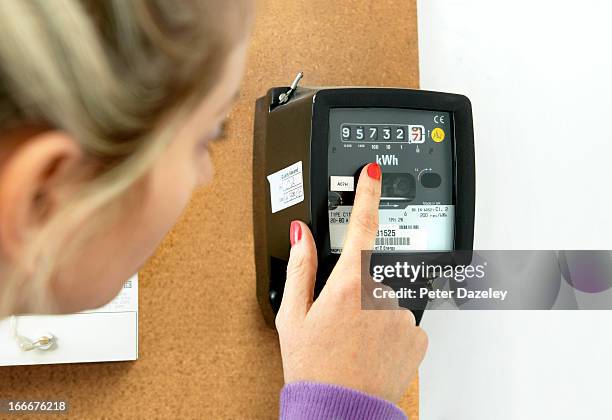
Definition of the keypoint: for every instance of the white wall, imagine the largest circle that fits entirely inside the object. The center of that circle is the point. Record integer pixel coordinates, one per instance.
(539, 74)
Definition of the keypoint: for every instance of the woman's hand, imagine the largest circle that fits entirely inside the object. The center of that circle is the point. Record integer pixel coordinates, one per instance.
(333, 340)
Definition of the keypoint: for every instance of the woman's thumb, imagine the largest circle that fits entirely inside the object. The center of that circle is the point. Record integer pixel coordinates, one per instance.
(301, 272)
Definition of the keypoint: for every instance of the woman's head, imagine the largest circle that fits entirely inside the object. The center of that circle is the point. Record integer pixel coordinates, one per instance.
(106, 109)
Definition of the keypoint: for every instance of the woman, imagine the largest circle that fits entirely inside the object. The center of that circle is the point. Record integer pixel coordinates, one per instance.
(106, 112)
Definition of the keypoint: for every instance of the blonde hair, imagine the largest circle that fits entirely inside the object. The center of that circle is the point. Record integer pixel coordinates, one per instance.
(118, 76)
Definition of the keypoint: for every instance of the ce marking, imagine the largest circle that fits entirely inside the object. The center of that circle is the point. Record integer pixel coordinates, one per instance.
(439, 119)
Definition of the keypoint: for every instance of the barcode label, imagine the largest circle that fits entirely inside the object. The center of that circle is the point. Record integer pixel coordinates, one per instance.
(393, 241)
(402, 227)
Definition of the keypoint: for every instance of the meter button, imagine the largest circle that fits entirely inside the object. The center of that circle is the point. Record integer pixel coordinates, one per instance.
(333, 200)
(431, 180)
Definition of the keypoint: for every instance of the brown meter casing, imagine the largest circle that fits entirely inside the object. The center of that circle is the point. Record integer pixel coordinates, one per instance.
(296, 128)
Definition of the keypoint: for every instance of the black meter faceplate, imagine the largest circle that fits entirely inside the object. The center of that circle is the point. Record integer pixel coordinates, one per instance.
(414, 149)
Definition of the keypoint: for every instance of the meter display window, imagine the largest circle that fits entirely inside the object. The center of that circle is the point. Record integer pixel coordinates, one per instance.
(415, 151)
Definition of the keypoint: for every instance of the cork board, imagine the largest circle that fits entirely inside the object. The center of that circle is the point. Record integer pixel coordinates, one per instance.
(205, 351)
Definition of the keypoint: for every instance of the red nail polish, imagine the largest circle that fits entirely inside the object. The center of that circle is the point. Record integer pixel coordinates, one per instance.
(295, 233)
(374, 171)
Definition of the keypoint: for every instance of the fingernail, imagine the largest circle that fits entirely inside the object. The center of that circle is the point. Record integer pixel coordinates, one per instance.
(295, 233)
(374, 171)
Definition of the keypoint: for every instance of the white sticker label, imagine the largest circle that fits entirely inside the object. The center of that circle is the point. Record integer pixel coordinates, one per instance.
(341, 183)
(286, 187)
(413, 228)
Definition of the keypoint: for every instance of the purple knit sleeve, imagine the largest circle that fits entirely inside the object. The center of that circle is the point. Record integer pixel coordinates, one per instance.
(310, 400)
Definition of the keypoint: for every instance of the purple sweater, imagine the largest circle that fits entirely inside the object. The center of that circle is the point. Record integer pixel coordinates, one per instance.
(310, 400)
